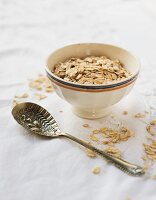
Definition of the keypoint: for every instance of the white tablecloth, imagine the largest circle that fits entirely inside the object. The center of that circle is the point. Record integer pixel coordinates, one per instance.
(37, 169)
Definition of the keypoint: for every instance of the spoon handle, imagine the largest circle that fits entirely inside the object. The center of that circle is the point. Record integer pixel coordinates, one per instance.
(123, 165)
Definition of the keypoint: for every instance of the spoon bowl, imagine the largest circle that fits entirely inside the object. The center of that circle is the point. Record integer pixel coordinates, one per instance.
(36, 119)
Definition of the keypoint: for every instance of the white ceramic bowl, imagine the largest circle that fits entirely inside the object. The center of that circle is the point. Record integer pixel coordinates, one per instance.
(92, 101)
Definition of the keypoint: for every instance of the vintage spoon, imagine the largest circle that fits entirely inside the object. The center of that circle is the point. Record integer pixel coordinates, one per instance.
(39, 121)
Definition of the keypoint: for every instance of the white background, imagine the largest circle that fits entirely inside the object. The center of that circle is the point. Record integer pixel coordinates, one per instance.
(36, 169)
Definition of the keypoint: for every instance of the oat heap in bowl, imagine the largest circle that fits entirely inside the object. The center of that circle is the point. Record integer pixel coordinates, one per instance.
(91, 70)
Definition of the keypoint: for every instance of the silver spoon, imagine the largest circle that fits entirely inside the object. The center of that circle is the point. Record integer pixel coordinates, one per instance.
(39, 121)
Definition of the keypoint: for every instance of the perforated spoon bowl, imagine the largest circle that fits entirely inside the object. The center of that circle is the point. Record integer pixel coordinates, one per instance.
(39, 121)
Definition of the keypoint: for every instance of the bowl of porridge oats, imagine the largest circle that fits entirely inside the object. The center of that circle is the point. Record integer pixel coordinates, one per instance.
(92, 77)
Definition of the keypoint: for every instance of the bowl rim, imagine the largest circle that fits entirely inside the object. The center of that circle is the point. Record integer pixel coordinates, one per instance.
(62, 82)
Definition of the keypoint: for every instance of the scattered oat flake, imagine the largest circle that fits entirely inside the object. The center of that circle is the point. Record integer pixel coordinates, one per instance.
(96, 170)
(112, 135)
(25, 95)
(153, 122)
(150, 150)
(115, 136)
(90, 153)
(40, 96)
(150, 129)
(49, 90)
(103, 129)
(14, 103)
(114, 151)
(154, 177)
(93, 138)
(41, 83)
(35, 85)
(86, 125)
(139, 115)
(125, 112)
(96, 131)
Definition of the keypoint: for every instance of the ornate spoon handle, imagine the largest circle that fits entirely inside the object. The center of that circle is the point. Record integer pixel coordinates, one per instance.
(123, 165)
